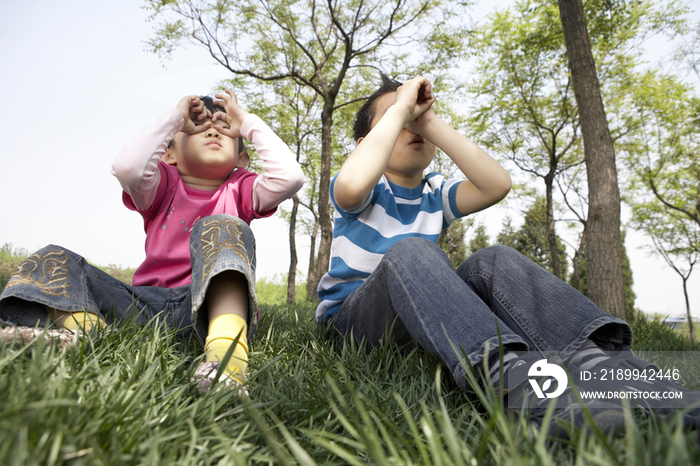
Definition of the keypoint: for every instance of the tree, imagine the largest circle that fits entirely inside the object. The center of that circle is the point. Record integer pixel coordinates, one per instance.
(531, 238)
(291, 114)
(605, 283)
(675, 238)
(579, 279)
(664, 153)
(480, 240)
(451, 241)
(524, 101)
(663, 156)
(330, 48)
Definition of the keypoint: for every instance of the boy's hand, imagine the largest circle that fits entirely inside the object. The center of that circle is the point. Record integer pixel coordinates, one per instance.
(234, 115)
(416, 98)
(193, 111)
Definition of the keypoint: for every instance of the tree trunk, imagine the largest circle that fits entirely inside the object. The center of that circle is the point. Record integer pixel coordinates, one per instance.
(691, 329)
(604, 244)
(324, 215)
(551, 233)
(311, 274)
(292, 275)
(576, 261)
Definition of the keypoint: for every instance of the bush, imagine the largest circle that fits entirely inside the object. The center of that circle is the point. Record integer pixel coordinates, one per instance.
(274, 291)
(10, 259)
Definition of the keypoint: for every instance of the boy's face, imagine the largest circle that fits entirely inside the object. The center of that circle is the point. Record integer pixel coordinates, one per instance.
(412, 153)
(209, 154)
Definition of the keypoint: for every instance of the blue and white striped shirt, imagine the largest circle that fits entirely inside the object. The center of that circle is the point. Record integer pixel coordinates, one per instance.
(391, 213)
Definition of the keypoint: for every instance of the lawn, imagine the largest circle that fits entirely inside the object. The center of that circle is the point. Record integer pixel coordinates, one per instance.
(124, 397)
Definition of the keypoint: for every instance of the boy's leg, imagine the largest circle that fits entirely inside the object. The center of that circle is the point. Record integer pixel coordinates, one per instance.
(549, 314)
(415, 293)
(224, 305)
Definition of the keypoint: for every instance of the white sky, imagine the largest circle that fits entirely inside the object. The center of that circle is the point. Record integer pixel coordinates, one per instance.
(77, 83)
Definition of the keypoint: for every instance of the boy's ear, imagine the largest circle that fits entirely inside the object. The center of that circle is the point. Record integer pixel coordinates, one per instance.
(359, 140)
(243, 160)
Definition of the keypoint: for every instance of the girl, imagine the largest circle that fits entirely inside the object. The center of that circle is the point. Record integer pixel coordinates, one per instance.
(185, 174)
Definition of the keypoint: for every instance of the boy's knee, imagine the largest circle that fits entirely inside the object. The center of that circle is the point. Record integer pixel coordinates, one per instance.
(412, 245)
(497, 250)
(414, 250)
(492, 256)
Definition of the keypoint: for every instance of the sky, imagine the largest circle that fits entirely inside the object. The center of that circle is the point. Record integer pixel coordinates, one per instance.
(78, 83)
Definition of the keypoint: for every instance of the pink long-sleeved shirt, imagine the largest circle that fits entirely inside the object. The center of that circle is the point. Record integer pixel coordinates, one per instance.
(170, 207)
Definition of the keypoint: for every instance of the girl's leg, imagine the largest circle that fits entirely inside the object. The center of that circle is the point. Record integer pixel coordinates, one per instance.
(74, 321)
(227, 308)
(55, 285)
(224, 305)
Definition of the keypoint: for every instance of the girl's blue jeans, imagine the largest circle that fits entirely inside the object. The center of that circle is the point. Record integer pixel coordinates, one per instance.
(60, 279)
(496, 295)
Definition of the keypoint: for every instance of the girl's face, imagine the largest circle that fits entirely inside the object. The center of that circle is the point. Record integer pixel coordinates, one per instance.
(208, 155)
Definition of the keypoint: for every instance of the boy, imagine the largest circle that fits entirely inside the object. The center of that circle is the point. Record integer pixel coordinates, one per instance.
(388, 277)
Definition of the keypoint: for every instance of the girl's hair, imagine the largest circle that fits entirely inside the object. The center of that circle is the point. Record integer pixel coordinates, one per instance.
(209, 103)
(364, 117)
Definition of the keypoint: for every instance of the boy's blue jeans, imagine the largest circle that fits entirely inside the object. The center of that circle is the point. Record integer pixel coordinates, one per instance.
(60, 279)
(415, 295)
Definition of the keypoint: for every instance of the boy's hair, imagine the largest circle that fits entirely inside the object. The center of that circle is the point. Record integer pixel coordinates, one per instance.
(363, 120)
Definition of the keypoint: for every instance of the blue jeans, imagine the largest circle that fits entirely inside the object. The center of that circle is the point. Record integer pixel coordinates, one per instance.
(63, 280)
(415, 296)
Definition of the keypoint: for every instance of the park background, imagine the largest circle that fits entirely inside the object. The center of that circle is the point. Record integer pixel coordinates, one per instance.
(78, 84)
(79, 81)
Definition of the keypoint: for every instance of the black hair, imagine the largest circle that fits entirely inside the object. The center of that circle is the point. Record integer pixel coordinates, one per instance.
(364, 117)
(209, 104)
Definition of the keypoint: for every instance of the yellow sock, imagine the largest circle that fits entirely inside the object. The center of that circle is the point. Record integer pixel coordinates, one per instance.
(84, 321)
(223, 330)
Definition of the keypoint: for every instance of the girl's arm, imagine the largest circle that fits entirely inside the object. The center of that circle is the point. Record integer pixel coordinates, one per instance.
(282, 175)
(136, 166)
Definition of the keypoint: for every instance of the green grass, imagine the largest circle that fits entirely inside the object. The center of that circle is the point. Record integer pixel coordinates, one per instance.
(124, 398)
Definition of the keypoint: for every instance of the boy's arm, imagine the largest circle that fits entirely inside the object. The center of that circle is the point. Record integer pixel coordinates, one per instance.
(487, 181)
(364, 167)
(136, 166)
(366, 164)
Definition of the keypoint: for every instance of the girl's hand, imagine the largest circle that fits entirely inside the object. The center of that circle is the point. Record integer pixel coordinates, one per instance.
(234, 115)
(194, 112)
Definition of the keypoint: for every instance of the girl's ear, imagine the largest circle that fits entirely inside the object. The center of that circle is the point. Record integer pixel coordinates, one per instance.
(242, 161)
(359, 140)
(169, 155)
